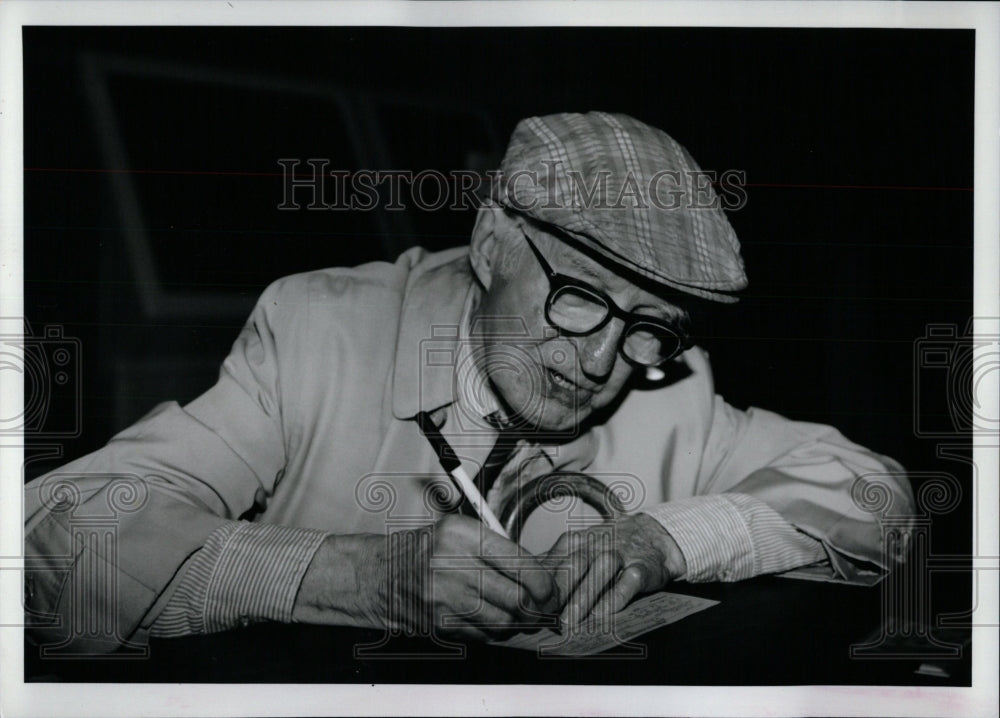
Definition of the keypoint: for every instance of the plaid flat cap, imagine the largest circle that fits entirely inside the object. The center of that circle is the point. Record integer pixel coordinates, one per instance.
(627, 191)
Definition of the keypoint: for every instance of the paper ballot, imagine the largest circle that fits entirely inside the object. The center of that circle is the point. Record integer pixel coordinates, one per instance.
(646, 614)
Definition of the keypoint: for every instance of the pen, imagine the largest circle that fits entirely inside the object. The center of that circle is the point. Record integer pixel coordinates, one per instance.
(450, 463)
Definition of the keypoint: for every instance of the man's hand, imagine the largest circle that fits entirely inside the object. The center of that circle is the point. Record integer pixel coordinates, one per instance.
(493, 590)
(481, 585)
(601, 569)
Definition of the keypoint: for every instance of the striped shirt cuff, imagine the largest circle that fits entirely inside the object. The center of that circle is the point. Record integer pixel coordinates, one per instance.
(245, 572)
(732, 537)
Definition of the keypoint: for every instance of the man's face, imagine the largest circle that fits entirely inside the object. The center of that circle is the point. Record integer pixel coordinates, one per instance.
(553, 382)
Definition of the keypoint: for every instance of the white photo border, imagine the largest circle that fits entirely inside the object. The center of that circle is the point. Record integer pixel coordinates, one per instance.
(24, 699)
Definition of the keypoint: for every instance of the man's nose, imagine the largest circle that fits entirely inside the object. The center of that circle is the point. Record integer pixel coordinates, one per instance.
(599, 350)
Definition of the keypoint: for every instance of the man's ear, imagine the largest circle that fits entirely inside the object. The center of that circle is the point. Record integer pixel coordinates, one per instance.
(483, 246)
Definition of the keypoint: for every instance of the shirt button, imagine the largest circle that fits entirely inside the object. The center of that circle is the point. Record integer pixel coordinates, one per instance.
(244, 621)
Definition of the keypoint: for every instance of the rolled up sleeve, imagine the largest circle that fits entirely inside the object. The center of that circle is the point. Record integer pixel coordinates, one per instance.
(732, 537)
(812, 480)
(244, 573)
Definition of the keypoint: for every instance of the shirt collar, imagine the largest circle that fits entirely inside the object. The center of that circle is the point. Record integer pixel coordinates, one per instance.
(436, 296)
(436, 362)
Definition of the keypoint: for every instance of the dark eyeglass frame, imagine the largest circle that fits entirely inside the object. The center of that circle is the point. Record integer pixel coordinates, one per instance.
(559, 282)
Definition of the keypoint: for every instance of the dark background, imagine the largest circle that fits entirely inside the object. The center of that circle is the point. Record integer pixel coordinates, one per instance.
(152, 186)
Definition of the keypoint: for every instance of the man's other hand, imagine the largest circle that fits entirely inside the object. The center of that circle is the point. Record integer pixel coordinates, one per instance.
(480, 585)
(601, 569)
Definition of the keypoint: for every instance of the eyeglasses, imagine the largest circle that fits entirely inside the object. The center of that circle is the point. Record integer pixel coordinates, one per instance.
(576, 309)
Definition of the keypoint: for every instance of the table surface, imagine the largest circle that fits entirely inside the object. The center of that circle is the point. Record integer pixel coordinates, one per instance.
(766, 631)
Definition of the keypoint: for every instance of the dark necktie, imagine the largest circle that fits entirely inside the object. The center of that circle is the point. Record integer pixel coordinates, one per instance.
(498, 457)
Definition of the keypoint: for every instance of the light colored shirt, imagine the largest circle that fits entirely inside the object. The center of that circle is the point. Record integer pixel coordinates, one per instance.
(313, 414)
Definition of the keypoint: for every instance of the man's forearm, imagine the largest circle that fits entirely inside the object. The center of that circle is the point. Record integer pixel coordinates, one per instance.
(345, 583)
(657, 534)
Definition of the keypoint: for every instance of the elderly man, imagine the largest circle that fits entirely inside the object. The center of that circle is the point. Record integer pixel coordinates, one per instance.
(556, 342)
